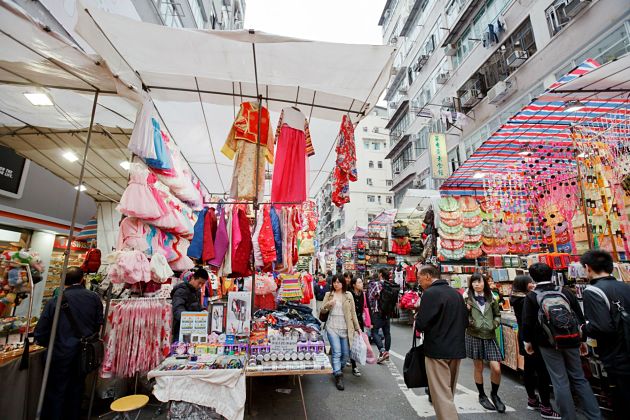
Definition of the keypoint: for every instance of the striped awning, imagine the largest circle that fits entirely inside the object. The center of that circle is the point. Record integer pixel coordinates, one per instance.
(386, 218)
(538, 141)
(89, 231)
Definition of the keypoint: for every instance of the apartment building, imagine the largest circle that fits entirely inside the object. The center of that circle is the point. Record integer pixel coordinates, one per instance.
(369, 195)
(197, 14)
(465, 66)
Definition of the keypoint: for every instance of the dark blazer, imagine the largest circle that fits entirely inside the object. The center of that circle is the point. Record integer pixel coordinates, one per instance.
(443, 319)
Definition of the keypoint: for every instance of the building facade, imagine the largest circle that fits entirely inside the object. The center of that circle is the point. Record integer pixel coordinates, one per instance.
(198, 14)
(369, 195)
(463, 67)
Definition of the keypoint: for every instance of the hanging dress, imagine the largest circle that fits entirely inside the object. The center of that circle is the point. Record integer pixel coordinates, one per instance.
(241, 145)
(345, 169)
(293, 146)
(221, 241)
(138, 200)
(209, 233)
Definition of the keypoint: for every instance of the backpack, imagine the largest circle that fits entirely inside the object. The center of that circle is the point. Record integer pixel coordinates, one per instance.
(92, 261)
(388, 298)
(559, 323)
(621, 317)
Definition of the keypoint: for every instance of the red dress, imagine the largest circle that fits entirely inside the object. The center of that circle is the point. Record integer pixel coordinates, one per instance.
(209, 233)
(241, 259)
(345, 169)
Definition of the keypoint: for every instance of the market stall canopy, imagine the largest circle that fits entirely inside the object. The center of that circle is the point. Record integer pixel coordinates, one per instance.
(538, 140)
(197, 79)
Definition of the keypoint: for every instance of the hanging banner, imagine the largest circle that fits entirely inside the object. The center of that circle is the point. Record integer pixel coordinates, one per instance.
(439, 159)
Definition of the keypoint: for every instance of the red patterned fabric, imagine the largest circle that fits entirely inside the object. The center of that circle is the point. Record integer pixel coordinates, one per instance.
(241, 259)
(345, 169)
(266, 240)
(209, 233)
(267, 301)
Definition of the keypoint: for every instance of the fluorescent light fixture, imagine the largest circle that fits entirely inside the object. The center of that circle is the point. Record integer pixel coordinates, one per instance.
(479, 175)
(582, 155)
(70, 156)
(80, 187)
(9, 236)
(39, 99)
(524, 153)
(125, 165)
(572, 106)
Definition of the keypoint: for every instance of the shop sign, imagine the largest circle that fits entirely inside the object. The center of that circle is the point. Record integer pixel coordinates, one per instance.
(194, 327)
(61, 242)
(13, 170)
(439, 158)
(280, 343)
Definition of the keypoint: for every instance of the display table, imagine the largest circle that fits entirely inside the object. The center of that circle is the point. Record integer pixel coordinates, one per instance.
(221, 389)
(19, 394)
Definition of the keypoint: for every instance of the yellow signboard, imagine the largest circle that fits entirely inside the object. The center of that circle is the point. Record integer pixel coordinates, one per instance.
(439, 159)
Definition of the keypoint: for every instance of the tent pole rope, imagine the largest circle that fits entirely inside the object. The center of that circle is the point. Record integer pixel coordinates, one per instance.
(205, 121)
(64, 270)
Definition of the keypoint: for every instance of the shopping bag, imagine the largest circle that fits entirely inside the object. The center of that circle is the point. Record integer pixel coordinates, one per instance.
(414, 369)
(367, 320)
(359, 349)
(370, 356)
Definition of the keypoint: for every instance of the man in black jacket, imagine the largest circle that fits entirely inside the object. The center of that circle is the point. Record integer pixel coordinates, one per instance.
(563, 364)
(186, 297)
(599, 307)
(442, 318)
(64, 390)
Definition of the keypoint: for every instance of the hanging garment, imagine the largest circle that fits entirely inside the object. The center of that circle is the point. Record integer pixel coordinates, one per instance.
(162, 158)
(277, 233)
(209, 233)
(226, 268)
(345, 169)
(293, 146)
(160, 270)
(138, 200)
(241, 145)
(258, 257)
(132, 235)
(196, 244)
(141, 141)
(130, 267)
(241, 258)
(266, 239)
(221, 242)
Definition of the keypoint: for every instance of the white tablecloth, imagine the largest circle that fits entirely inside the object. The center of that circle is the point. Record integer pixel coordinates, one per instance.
(222, 389)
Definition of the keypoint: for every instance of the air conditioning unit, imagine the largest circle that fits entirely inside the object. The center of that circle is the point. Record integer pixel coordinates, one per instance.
(393, 105)
(415, 105)
(573, 7)
(402, 90)
(450, 50)
(470, 98)
(448, 103)
(517, 58)
(422, 60)
(395, 70)
(442, 78)
(500, 92)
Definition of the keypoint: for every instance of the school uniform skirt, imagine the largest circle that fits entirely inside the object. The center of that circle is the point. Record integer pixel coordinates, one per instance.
(482, 349)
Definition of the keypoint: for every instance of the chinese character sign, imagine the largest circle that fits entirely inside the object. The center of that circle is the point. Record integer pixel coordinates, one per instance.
(439, 159)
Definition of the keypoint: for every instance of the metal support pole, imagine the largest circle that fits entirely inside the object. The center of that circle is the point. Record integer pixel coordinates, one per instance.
(55, 323)
(580, 181)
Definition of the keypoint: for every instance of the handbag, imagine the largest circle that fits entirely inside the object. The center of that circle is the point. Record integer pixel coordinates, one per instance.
(367, 320)
(323, 316)
(414, 369)
(91, 348)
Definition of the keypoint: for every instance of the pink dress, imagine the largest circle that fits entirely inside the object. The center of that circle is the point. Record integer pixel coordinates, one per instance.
(132, 235)
(293, 145)
(138, 200)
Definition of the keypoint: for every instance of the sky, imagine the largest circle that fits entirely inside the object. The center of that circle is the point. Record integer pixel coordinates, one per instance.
(345, 21)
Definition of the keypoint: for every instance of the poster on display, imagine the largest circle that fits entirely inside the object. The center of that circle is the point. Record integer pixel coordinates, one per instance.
(194, 327)
(238, 313)
(217, 317)
(13, 170)
(439, 158)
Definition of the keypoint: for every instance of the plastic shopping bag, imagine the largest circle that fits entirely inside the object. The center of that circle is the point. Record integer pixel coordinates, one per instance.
(359, 349)
(370, 356)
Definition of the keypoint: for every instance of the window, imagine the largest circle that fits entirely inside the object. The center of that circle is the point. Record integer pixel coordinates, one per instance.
(366, 145)
(369, 181)
(379, 199)
(376, 145)
(371, 164)
(365, 129)
(371, 217)
(380, 164)
(453, 158)
(370, 198)
(389, 183)
(388, 200)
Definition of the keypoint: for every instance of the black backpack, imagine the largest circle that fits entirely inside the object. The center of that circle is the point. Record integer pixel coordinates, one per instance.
(620, 315)
(388, 298)
(558, 321)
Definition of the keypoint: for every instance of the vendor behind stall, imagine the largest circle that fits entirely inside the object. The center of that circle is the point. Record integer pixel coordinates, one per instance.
(186, 297)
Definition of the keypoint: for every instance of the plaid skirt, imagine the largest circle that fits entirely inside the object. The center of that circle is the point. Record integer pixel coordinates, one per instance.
(482, 349)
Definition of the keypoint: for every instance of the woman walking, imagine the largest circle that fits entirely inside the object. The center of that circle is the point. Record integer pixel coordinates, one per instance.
(484, 318)
(535, 372)
(356, 288)
(341, 325)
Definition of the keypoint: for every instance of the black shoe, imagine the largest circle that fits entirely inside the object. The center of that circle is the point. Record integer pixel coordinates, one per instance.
(485, 403)
(339, 382)
(498, 403)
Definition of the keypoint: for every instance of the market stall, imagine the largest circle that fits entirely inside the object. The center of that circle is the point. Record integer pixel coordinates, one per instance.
(546, 186)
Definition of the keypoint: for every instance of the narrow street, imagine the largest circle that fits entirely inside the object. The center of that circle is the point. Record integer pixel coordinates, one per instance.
(380, 393)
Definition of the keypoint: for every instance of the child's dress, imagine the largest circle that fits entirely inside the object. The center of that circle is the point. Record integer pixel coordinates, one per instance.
(138, 199)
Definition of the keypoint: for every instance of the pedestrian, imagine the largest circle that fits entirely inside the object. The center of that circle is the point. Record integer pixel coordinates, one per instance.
(347, 278)
(356, 288)
(186, 297)
(380, 319)
(442, 318)
(329, 278)
(320, 288)
(602, 300)
(341, 326)
(535, 372)
(484, 318)
(561, 351)
(64, 389)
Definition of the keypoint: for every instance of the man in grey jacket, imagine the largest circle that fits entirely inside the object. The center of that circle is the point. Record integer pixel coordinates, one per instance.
(603, 323)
